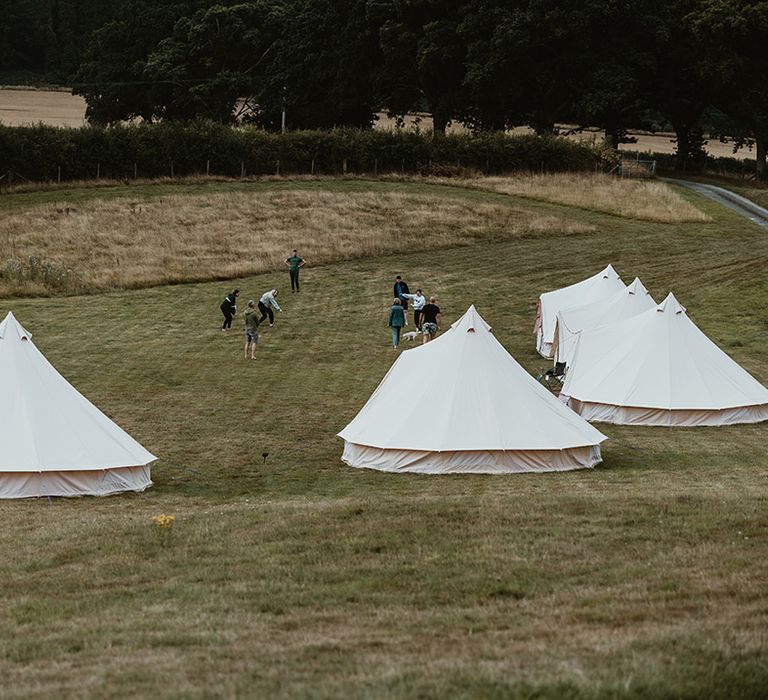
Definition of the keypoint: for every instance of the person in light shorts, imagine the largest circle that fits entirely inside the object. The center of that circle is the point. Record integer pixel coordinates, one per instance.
(251, 330)
(430, 320)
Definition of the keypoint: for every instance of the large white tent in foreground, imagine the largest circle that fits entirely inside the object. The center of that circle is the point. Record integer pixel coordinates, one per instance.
(658, 368)
(627, 302)
(53, 441)
(461, 403)
(599, 286)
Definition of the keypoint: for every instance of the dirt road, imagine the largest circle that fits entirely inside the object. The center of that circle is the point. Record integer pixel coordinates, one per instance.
(733, 201)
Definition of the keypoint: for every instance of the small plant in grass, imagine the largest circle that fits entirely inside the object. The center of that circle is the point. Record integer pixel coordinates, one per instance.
(164, 527)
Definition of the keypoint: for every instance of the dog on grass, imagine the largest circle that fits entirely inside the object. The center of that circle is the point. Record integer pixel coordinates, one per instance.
(411, 335)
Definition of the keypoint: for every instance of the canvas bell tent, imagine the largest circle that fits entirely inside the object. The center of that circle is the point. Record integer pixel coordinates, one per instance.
(634, 299)
(461, 403)
(658, 368)
(599, 286)
(53, 441)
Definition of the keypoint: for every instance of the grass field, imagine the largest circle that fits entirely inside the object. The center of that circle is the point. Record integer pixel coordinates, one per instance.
(297, 576)
(143, 235)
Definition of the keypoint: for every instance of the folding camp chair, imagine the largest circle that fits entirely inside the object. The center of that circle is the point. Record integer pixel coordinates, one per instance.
(553, 378)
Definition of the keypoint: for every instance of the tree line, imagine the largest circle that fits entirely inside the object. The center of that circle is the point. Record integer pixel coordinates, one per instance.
(695, 66)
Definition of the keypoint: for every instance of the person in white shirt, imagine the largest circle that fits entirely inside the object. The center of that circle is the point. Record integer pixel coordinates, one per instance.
(266, 304)
(419, 301)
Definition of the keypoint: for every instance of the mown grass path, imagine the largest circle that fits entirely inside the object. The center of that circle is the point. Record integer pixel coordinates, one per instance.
(301, 577)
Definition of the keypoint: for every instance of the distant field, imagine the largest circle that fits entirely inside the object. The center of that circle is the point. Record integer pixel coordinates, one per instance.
(24, 107)
(21, 107)
(296, 576)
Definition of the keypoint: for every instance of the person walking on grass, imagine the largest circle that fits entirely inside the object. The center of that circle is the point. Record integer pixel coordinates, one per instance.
(396, 321)
(400, 291)
(251, 330)
(419, 301)
(430, 320)
(266, 304)
(295, 263)
(229, 309)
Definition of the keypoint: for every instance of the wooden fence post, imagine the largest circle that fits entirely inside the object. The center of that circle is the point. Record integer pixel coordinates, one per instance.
(344, 166)
(207, 167)
(242, 168)
(135, 171)
(277, 169)
(312, 167)
(98, 170)
(58, 175)
(171, 168)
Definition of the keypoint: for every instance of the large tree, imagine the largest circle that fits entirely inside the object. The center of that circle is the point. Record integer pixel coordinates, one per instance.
(323, 67)
(527, 60)
(112, 77)
(615, 90)
(214, 64)
(736, 33)
(680, 79)
(423, 57)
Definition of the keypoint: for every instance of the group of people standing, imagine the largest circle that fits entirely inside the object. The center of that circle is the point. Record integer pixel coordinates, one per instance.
(267, 305)
(257, 312)
(426, 314)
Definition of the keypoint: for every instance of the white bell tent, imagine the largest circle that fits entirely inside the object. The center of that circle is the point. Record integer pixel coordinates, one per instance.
(53, 441)
(658, 368)
(599, 286)
(634, 299)
(461, 403)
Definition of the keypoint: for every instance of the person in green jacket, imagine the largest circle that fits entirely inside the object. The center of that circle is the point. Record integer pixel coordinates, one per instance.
(251, 329)
(396, 321)
(295, 263)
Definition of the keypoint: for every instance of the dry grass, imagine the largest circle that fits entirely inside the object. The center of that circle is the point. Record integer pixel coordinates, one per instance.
(634, 199)
(135, 242)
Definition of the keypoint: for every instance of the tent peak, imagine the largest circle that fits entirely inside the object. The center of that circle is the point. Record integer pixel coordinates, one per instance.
(637, 287)
(671, 305)
(10, 328)
(471, 321)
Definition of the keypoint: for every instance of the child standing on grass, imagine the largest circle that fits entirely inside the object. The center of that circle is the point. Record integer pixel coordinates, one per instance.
(229, 309)
(251, 329)
(396, 321)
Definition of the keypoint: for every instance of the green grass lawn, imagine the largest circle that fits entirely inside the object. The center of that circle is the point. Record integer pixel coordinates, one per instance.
(299, 576)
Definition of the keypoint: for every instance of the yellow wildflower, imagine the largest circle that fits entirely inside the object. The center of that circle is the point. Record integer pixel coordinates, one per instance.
(164, 520)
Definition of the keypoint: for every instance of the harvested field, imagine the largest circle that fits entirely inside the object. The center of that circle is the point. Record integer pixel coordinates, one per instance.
(52, 107)
(138, 242)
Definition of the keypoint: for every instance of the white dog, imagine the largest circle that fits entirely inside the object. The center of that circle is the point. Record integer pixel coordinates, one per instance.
(411, 335)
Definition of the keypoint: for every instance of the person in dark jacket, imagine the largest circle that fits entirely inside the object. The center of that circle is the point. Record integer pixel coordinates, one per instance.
(229, 309)
(396, 321)
(400, 290)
